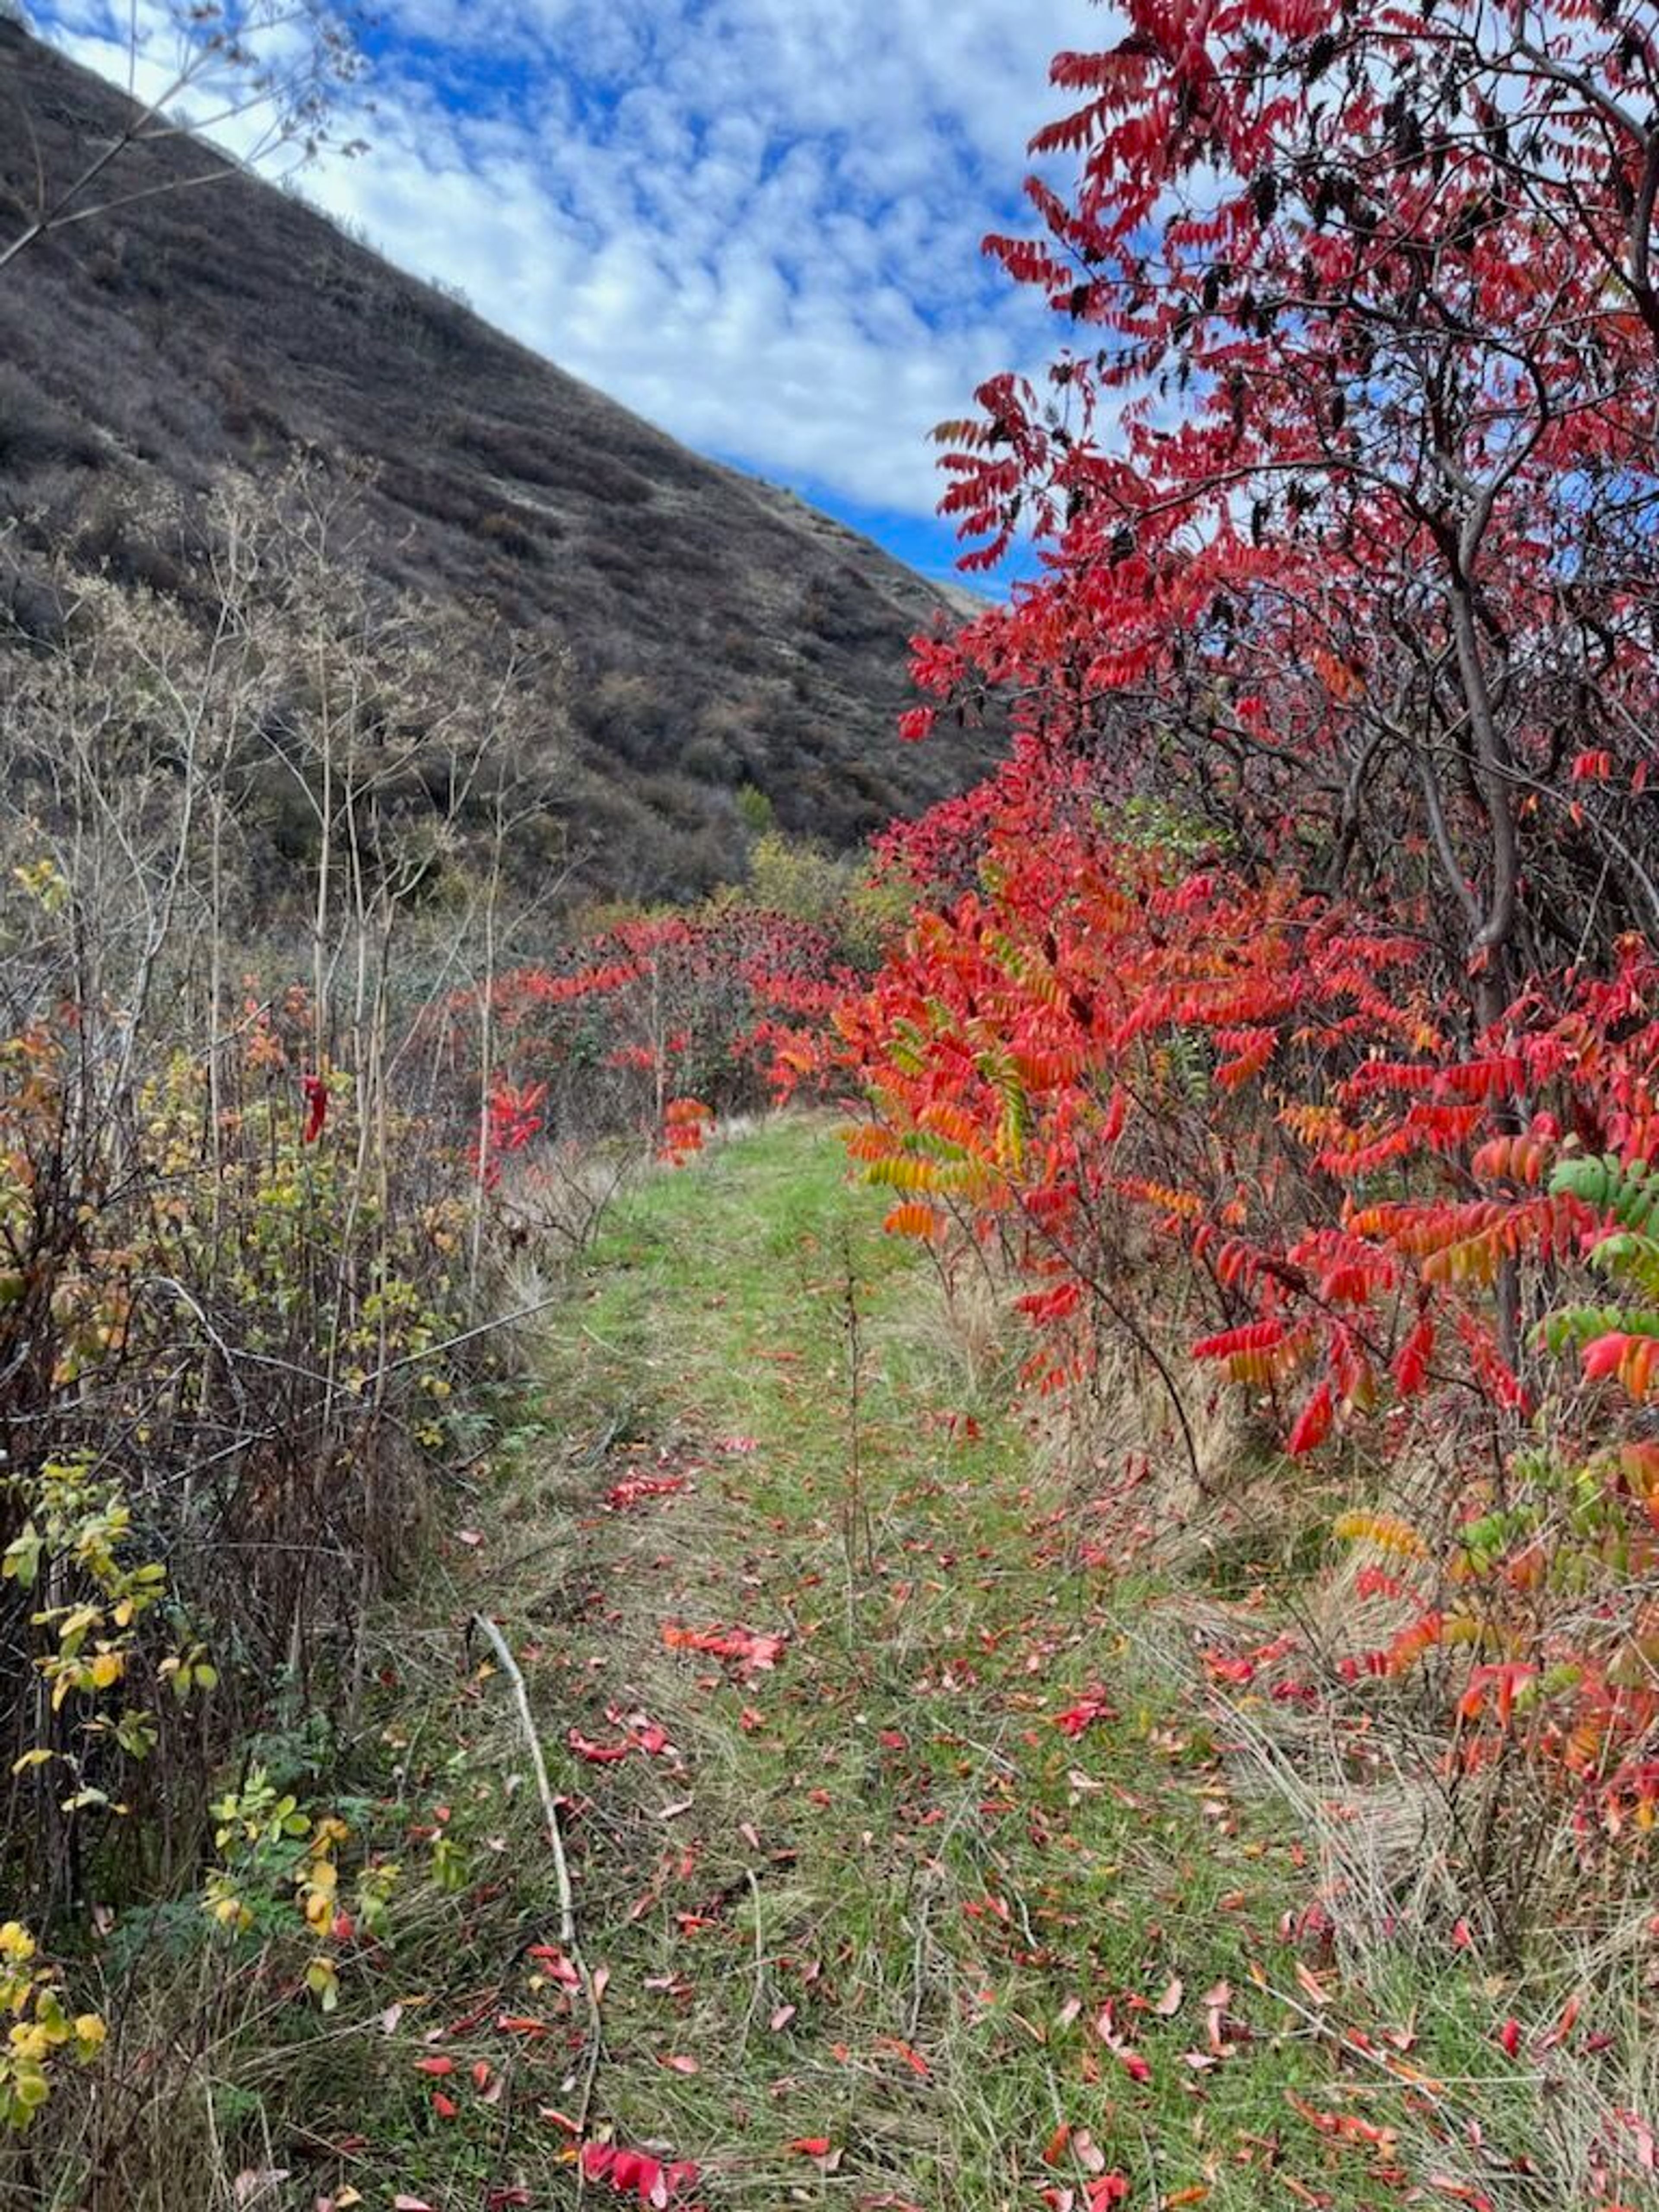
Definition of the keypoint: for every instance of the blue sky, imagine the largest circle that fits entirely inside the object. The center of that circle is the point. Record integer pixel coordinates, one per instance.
(755, 222)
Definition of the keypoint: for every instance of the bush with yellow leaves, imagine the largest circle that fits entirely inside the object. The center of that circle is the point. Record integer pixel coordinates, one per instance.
(42, 2030)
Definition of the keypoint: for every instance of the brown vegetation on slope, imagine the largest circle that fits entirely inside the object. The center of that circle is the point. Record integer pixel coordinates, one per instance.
(722, 633)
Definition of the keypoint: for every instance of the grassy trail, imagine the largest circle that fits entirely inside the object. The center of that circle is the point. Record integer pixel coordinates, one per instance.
(911, 1875)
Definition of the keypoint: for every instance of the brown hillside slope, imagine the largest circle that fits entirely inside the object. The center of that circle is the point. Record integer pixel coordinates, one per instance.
(722, 633)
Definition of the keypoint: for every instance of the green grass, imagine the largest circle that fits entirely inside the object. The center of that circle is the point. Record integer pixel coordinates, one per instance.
(878, 1898)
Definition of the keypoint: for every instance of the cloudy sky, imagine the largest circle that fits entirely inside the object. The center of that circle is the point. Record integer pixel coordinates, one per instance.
(757, 221)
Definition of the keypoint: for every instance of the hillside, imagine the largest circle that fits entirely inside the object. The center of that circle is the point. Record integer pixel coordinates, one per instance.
(719, 632)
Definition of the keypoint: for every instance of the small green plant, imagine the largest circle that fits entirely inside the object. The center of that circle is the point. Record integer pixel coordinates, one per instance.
(279, 1859)
(754, 810)
(449, 1862)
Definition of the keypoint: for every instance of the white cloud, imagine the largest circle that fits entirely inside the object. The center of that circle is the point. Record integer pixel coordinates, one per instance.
(757, 222)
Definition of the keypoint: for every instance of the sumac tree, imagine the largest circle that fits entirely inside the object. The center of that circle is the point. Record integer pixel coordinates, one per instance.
(1288, 1003)
(1344, 480)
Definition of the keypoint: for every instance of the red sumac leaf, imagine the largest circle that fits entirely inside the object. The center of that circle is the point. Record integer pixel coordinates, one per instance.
(1313, 1423)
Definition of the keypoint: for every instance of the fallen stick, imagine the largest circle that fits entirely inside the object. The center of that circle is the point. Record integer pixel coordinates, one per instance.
(567, 1943)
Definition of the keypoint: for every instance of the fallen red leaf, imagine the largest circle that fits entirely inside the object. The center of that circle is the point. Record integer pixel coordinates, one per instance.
(635, 2171)
(1131, 2061)
(1647, 2143)
(913, 2059)
(626, 1494)
(562, 1969)
(1563, 2028)
(596, 1754)
(1461, 2192)
(752, 1650)
(1092, 1706)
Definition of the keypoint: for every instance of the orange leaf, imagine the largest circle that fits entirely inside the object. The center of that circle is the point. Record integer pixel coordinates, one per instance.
(913, 2059)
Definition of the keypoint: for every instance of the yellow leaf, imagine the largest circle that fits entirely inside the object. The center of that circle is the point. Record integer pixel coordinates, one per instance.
(323, 1982)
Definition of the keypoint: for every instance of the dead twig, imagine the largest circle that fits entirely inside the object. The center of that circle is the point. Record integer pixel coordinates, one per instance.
(568, 1943)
